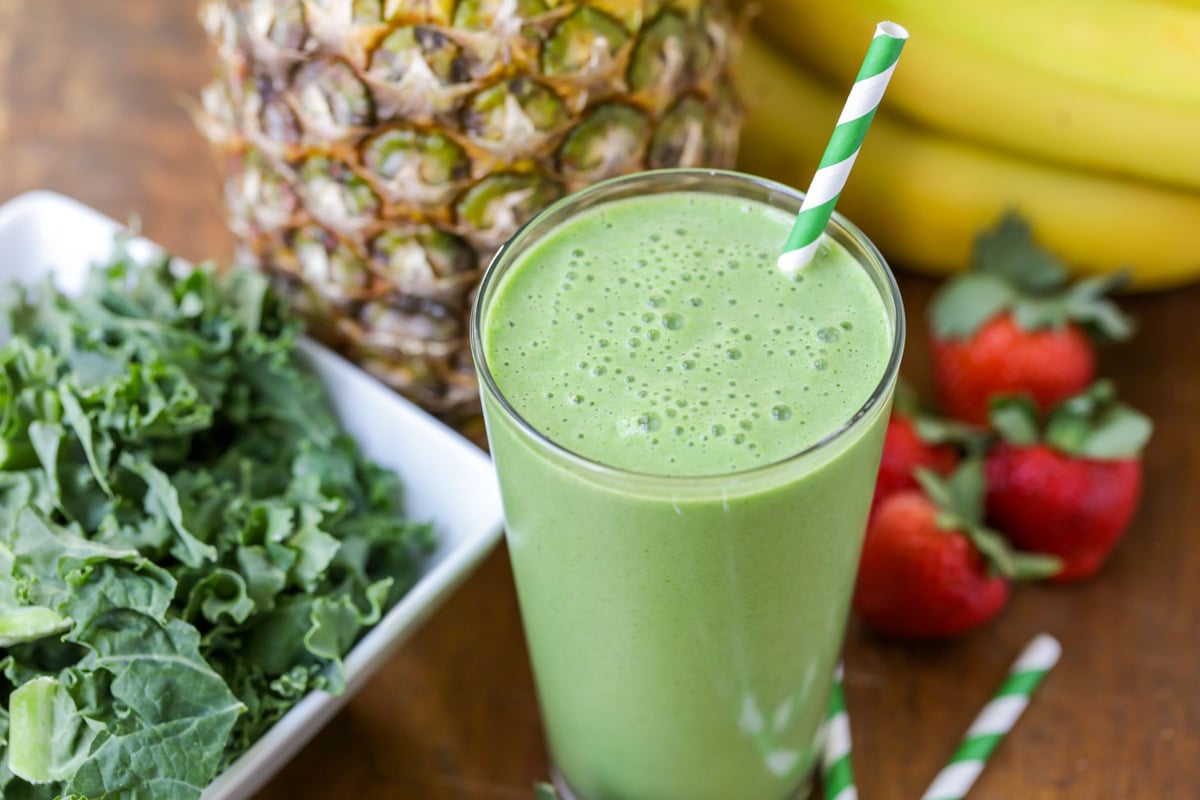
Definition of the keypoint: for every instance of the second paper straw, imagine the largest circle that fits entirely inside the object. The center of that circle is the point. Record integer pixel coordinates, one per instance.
(837, 774)
(843, 147)
(995, 720)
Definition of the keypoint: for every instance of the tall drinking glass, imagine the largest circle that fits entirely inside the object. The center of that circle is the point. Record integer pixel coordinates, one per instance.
(687, 441)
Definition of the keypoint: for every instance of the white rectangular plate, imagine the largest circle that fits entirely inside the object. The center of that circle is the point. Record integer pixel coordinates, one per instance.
(446, 479)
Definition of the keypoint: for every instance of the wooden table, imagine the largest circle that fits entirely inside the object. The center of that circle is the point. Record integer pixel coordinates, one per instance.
(93, 103)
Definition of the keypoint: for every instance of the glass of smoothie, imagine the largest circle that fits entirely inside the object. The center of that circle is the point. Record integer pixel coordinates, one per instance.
(687, 440)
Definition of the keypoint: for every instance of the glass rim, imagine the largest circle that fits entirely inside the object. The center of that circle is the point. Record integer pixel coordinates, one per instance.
(837, 222)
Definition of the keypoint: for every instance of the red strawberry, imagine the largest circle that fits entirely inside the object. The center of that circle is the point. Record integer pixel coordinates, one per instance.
(1002, 358)
(1072, 491)
(1013, 326)
(916, 579)
(904, 450)
(918, 439)
(928, 569)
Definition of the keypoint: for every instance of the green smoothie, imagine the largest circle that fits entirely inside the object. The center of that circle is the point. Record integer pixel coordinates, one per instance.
(684, 551)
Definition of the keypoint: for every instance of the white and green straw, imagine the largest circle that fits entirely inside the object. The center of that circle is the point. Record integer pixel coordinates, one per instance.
(827, 183)
(995, 720)
(837, 774)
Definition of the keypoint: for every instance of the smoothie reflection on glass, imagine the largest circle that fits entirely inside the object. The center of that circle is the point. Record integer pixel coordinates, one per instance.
(687, 440)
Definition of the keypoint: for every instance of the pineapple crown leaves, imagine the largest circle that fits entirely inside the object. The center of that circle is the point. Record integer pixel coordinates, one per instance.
(1010, 273)
(1092, 424)
(960, 502)
(935, 429)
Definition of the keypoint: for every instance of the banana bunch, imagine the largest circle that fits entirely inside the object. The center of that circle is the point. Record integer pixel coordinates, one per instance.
(1082, 116)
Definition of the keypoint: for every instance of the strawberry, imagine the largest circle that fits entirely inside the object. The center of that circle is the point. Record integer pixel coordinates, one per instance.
(1071, 490)
(1013, 325)
(917, 580)
(905, 450)
(1002, 358)
(917, 438)
(929, 568)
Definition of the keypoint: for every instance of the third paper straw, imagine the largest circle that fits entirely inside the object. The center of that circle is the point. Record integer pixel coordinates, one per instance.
(995, 720)
(843, 146)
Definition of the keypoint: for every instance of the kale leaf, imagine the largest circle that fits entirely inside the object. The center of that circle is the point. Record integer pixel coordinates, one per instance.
(189, 543)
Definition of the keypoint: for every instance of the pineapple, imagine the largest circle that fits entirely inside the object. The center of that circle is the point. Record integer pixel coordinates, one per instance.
(378, 152)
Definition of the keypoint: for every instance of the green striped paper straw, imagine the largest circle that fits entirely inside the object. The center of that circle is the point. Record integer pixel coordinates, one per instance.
(843, 147)
(837, 773)
(995, 720)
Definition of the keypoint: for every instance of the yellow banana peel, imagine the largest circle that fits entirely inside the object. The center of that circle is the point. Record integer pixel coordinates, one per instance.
(951, 83)
(922, 196)
(1143, 48)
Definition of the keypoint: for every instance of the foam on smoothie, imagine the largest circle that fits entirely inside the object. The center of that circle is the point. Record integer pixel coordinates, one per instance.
(684, 351)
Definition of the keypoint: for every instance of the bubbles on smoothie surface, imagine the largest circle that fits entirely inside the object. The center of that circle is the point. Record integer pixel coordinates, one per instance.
(715, 351)
(648, 422)
(827, 335)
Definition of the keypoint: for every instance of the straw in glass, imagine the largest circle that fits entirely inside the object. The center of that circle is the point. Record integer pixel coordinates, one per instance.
(843, 147)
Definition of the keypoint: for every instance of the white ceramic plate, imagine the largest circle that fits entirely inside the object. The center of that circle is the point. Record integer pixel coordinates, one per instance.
(446, 479)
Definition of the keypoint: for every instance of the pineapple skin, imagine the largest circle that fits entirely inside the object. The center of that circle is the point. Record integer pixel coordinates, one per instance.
(377, 152)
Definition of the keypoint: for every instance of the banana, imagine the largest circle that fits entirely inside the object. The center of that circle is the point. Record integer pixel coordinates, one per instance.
(1142, 48)
(923, 196)
(947, 82)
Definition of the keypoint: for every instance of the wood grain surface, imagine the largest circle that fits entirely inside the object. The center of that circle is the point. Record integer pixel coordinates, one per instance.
(94, 100)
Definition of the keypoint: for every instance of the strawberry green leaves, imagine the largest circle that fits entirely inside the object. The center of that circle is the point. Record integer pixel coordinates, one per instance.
(1015, 419)
(1086, 303)
(1011, 273)
(1009, 252)
(1092, 424)
(960, 499)
(188, 542)
(965, 304)
(934, 428)
(1095, 425)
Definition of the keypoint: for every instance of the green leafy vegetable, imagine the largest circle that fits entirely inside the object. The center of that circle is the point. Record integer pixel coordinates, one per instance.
(189, 544)
(51, 747)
